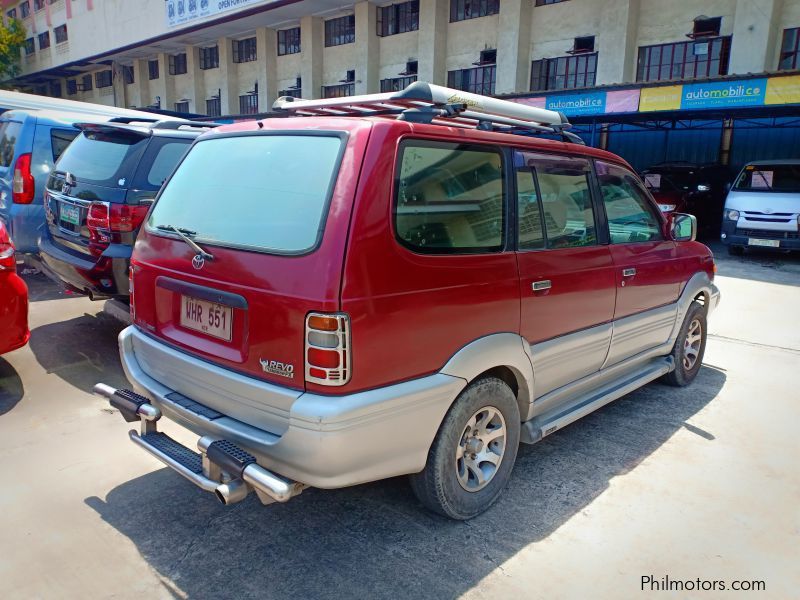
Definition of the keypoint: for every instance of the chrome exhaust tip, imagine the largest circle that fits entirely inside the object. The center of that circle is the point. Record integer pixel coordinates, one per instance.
(232, 492)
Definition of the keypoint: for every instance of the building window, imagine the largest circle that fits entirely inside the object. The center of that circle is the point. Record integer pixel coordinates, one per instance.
(72, 87)
(288, 41)
(152, 69)
(461, 10)
(684, 60)
(790, 49)
(127, 74)
(478, 80)
(177, 64)
(546, 2)
(182, 107)
(244, 50)
(294, 93)
(61, 34)
(395, 84)
(564, 72)
(338, 91)
(341, 30)
(398, 18)
(705, 27)
(25, 9)
(44, 40)
(213, 107)
(209, 58)
(103, 79)
(55, 89)
(87, 83)
(38, 4)
(12, 14)
(30, 47)
(248, 104)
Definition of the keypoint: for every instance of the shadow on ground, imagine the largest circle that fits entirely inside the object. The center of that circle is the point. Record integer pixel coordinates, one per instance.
(41, 287)
(82, 351)
(375, 541)
(11, 388)
(758, 264)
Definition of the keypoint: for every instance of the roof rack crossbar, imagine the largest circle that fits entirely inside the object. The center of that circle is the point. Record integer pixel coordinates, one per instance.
(173, 124)
(424, 102)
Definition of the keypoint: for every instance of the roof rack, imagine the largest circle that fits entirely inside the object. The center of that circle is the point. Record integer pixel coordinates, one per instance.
(173, 124)
(427, 103)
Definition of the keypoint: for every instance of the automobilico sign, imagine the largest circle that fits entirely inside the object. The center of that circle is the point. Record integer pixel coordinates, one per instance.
(184, 11)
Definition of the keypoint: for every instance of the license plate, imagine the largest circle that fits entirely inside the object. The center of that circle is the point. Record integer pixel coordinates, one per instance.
(212, 319)
(70, 214)
(764, 243)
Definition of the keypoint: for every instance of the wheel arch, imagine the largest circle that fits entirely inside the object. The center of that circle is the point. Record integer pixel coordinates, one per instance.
(501, 355)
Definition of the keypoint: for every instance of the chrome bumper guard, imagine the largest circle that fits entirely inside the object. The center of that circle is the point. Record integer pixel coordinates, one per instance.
(220, 466)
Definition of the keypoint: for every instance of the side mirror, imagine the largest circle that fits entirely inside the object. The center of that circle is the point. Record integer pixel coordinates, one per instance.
(683, 227)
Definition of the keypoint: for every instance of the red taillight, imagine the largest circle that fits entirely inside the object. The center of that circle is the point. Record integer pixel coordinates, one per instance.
(7, 260)
(106, 221)
(125, 218)
(23, 184)
(328, 348)
(97, 218)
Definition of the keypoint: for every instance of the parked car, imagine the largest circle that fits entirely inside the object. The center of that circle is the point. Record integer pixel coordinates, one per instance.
(697, 189)
(98, 196)
(762, 209)
(14, 331)
(31, 141)
(331, 300)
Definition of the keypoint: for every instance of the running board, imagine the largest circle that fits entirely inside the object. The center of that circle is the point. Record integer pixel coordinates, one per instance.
(545, 424)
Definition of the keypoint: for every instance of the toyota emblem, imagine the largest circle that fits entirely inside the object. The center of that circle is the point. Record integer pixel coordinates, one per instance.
(198, 261)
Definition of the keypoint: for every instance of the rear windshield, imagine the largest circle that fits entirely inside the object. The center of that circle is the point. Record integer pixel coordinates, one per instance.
(101, 158)
(262, 192)
(769, 178)
(668, 181)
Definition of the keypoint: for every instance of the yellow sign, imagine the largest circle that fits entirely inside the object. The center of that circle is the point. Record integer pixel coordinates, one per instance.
(660, 98)
(783, 90)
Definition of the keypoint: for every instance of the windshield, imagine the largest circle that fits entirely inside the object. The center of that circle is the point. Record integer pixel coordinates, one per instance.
(103, 158)
(263, 192)
(769, 178)
(669, 181)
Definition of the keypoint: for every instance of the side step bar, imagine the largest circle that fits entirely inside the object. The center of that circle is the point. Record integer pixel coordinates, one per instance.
(545, 424)
(220, 466)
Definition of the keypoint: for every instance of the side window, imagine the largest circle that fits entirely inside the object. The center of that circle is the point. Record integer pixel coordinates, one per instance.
(60, 139)
(529, 225)
(565, 201)
(9, 132)
(165, 162)
(450, 198)
(628, 207)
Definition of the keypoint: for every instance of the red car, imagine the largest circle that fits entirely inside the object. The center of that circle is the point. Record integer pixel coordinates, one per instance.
(14, 331)
(398, 284)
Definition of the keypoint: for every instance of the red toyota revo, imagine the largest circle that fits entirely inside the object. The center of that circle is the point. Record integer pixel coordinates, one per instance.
(399, 284)
(14, 331)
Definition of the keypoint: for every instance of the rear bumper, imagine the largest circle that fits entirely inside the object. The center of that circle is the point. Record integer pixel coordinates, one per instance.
(326, 441)
(98, 279)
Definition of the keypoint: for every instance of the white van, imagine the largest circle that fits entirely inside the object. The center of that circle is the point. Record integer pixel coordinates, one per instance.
(763, 207)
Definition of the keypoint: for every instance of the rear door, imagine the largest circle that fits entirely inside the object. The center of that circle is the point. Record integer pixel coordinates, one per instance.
(267, 207)
(567, 278)
(648, 272)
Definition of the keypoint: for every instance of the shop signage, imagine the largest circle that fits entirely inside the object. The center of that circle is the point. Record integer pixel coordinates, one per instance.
(185, 11)
(724, 94)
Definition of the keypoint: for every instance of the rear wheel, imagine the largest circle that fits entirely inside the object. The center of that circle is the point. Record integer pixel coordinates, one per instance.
(689, 347)
(472, 456)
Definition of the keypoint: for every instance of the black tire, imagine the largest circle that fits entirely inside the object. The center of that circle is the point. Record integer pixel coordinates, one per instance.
(735, 250)
(683, 375)
(438, 486)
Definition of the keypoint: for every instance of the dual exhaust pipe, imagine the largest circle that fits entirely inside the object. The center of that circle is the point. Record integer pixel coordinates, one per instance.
(229, 477)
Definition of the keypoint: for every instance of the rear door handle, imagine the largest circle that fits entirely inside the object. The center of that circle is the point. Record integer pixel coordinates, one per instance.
(630, 272)
(539, 286)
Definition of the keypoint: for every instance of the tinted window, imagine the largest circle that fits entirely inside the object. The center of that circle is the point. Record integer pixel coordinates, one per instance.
(449, 198)
(60, 139)
(166, 156)
(529, 230)
(9, 132)
(565, 199)
(628, 207)
(266, 192)
(770, 178)
(103, 158)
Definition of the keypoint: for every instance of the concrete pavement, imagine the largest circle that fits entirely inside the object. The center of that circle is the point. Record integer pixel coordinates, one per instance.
(701, 482)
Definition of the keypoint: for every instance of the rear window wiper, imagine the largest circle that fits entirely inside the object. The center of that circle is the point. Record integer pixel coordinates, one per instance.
(184, 235)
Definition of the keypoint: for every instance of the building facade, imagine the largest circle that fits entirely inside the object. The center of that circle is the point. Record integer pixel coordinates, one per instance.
(235, 57)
